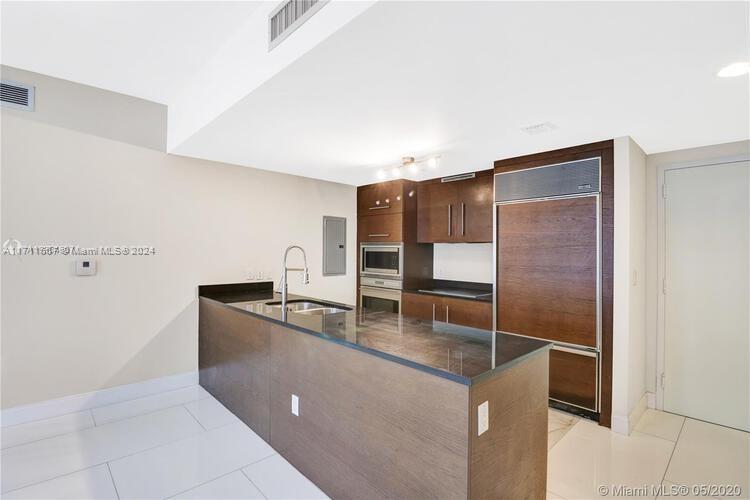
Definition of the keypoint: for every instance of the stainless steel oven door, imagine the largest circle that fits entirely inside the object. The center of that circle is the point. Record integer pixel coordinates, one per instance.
(381, 260)
(380, 299)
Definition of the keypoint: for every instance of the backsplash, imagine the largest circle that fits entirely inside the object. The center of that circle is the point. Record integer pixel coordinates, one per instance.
(463, 262)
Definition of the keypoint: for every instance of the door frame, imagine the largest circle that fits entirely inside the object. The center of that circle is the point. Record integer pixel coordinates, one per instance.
(661, 257)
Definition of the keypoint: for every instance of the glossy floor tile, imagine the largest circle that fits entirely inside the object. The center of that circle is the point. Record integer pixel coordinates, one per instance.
(558, 425)
(711, 454)
(41, 460)
(179, 466)
(210, 413)
(94, 483)
(41, 429)
(148, 404)
(279, 480)
(590, 457)
(196, 449)
(232, 486)
(660, 424)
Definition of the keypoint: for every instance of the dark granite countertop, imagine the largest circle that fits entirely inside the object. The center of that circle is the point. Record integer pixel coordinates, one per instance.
(455, 352)
(466, 290)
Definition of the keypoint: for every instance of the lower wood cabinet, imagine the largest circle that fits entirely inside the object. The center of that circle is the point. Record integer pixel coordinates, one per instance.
(464, 312)
(572, 377)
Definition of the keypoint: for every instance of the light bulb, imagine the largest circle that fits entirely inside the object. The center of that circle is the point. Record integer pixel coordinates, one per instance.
(413, 168)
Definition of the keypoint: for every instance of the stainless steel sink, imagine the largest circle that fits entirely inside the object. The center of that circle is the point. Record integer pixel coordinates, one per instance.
(310, 307)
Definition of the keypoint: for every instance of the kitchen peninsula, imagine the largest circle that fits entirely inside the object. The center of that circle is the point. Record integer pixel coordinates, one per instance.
(372, 404)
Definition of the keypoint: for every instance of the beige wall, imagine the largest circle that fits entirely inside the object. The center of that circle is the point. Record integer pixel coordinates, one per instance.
(653, 186)
(137, 318)
(629, 334)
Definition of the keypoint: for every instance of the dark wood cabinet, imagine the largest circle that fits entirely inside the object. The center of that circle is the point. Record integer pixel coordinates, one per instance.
(378, 228)
(457, 211)
(572, 377)
(382, 198)
(472, 313)
(464, 312)
(436, 208)
(547, 281)
(475, 216)
(418, 305)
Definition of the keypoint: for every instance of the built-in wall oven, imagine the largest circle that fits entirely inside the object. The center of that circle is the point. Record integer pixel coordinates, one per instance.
(382, 260)
(377, 294)
(380, 276)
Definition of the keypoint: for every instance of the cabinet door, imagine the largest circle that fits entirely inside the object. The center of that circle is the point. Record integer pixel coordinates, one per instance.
(572, 377)
(474, 216)
(547, 269)
(427, 307)
(375, 228)
(472, 313)
(382, 198)
(436, 212)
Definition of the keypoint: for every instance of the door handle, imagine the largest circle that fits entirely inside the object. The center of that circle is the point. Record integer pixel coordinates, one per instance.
(450, 219)
(378, 235)
(463, 219)
(379, 207)
(433, 312)
(446, 314)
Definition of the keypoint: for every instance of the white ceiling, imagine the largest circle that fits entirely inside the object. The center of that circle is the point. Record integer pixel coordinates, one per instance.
(460, 79)
(457, 79)
(145, 49)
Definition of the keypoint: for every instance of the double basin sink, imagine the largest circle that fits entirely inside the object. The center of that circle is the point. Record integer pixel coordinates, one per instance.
(310, 307)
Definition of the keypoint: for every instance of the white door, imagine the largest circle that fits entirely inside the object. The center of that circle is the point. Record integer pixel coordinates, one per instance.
(707, 299)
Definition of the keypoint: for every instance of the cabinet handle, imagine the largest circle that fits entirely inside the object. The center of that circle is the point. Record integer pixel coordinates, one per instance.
(379, 207)
(433, 312)
(378, 235)
(450, 219)
(463, 219)
(446, 314)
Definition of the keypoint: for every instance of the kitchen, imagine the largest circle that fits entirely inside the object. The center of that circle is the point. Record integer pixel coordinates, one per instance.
(398, 250)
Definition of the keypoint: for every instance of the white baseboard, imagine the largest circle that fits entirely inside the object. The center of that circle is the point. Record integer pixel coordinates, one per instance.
(622, 424)
(651, 400)
(638, 411)
(79, 402)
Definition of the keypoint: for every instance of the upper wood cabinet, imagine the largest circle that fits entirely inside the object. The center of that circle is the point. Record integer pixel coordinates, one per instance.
(381, 198)
(457, 211)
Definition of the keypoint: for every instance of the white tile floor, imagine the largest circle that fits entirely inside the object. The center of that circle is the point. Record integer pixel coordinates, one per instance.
(185, 444)
(178, 444)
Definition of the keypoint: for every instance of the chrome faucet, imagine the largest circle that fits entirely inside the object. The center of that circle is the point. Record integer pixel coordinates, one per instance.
(283, 288)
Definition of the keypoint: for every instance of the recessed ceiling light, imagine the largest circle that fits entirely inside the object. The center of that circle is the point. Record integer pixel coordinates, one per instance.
(735, 69)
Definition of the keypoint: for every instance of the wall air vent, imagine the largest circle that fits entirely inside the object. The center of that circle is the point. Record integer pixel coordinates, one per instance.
(17, 95)
(289, 16)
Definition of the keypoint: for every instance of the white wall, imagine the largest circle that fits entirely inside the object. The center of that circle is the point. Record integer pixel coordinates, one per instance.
(137, 318)
(463, 262)
(629, 333)
(653, 186)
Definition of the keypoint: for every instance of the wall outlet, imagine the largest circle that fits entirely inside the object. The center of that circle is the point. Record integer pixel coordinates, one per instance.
(295, 405)
(483, 418)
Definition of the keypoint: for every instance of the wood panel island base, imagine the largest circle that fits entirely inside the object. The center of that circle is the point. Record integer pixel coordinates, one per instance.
(388, 404)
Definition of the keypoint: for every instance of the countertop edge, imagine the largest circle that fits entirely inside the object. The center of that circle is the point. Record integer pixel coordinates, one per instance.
(390, 357)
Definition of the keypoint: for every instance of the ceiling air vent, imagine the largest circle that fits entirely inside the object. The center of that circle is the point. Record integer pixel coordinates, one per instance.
(17, 95)
(289, 16)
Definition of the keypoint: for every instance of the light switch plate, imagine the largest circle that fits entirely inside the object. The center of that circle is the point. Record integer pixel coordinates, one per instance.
(483, 418)
(295, 405)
